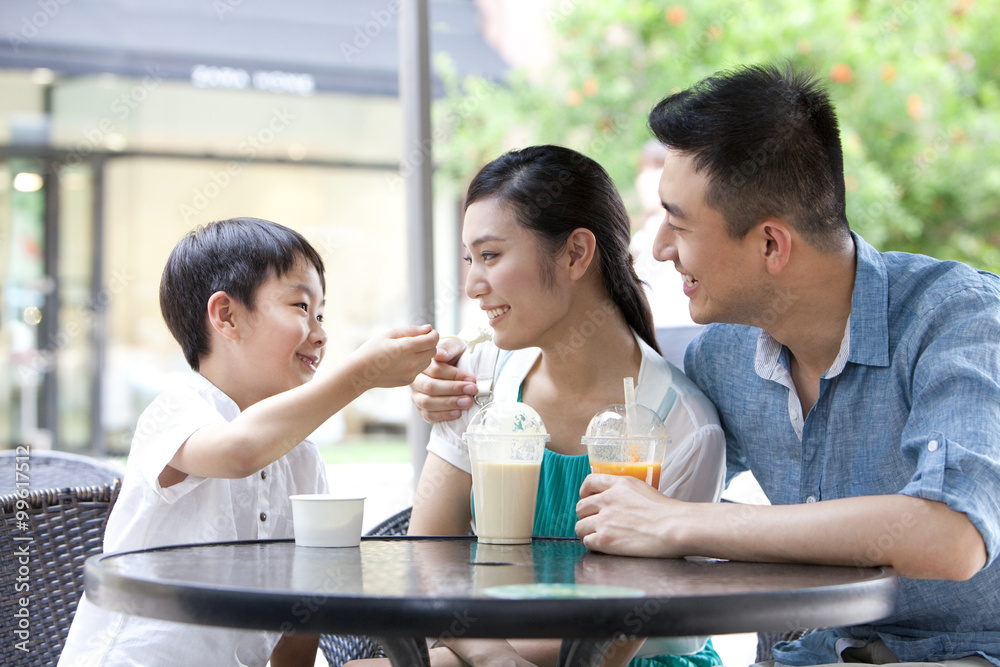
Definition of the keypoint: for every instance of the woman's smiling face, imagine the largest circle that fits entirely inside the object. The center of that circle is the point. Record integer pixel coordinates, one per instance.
(507, 276)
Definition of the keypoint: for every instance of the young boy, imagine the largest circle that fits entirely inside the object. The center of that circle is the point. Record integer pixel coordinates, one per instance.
(216, 459)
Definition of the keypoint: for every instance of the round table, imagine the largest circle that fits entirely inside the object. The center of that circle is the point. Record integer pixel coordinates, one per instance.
(400, 589)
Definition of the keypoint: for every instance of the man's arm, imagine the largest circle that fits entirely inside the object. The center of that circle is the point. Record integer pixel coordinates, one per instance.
(921, 539)
(442, 391)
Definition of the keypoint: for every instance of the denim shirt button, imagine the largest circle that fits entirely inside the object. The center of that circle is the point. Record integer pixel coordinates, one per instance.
(932, 446)
(811, 499)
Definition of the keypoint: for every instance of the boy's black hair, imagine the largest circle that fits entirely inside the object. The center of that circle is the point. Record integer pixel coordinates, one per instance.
(768, 140)
(235, 256)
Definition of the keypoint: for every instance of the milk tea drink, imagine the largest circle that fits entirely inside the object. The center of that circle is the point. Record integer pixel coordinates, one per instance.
(506, 445)
(504, 495)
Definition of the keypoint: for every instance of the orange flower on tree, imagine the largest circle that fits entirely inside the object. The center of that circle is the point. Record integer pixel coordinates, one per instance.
(888, 72)
(590, 87)
(915, 107)
(842, 73)
(962, 6)
(676, 15)
(574, 98)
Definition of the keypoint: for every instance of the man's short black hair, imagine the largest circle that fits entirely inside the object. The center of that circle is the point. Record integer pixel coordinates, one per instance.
(767, 138)
(234, 256)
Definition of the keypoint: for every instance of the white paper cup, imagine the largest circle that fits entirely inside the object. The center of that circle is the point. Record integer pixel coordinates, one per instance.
(325, 520)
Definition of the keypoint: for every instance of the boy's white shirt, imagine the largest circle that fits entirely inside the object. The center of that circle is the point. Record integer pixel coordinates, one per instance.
(195, 510)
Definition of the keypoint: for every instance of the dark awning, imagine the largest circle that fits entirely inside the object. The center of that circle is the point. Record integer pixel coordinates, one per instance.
(279, 45)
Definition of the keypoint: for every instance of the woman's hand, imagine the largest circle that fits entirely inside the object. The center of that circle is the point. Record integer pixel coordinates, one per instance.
(442, 391)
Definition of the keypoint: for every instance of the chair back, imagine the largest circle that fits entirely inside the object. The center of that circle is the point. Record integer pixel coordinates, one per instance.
(49, 533)
(44, 469)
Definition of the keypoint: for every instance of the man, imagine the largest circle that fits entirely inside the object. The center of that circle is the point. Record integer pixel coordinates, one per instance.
(860, 388)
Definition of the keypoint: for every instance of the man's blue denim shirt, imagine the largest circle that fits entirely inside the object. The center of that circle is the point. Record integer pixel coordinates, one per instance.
(915, 410)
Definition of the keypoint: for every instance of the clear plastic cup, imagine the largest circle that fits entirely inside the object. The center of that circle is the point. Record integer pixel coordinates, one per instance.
(618, 446)
(506, 445)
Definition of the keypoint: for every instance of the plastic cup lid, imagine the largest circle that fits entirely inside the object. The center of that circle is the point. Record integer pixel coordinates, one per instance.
(611, 423)
(507, 418)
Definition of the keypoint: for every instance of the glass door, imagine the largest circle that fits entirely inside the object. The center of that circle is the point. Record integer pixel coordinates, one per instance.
(22, 299)
(48, 312)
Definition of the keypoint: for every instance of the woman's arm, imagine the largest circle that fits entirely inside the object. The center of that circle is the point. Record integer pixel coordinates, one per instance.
(295, 651)
(441, 505)
(695, 469)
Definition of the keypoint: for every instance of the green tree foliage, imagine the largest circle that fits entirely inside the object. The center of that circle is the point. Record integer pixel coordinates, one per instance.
(915, 83)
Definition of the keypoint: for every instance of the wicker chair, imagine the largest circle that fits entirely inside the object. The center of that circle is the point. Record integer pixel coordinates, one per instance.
(52, 470)
(338, 649)
(57, 529)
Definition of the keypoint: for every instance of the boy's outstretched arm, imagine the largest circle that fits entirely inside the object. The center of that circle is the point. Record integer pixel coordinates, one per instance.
(267, 430)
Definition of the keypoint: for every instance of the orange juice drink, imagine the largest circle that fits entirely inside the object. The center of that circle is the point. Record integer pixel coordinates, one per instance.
(644, 472)
(624, 440)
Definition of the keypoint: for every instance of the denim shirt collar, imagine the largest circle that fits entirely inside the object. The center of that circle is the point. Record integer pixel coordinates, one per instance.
(866, 338)
(869, 307)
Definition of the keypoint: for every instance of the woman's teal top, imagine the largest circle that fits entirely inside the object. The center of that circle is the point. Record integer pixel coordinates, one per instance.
(555, 516)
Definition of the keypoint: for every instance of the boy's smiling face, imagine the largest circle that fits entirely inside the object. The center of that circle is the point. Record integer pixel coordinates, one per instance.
(282, 339)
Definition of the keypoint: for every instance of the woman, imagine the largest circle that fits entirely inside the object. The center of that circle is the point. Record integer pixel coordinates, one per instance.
(547, 237)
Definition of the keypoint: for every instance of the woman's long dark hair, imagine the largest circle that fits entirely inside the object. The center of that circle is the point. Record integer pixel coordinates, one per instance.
(553, 190)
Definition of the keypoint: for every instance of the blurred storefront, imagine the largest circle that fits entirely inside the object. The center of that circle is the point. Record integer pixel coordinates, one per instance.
(125, 124)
